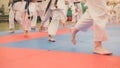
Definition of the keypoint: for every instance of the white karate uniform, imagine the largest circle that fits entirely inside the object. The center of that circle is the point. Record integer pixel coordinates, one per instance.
(11, 17)
(58, 15)
(33, 11)
(20, 15)
(95, 15)
(41, 10)
(77, 11)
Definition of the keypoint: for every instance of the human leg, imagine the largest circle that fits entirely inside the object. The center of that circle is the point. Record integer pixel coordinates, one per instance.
(11, 21)
(45, 19)
(22, 19)
(52, 29)
(53, 26)
(26, 24)
(82, 25)
(34, 21)
(98, 48)
(100, 35)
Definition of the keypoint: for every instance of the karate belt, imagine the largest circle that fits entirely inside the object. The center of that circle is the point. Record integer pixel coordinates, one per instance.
(39, 1)
(76, 2)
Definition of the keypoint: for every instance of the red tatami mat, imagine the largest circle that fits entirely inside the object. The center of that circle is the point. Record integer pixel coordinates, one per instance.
(32, 35)
(28, 58)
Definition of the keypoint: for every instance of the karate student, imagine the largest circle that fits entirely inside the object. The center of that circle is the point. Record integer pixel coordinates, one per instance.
(97, 13)
(12, 15)
(22, 15)
(33, 11)
(42, 5)
(77, 12)
(37, 8)
(57, 12)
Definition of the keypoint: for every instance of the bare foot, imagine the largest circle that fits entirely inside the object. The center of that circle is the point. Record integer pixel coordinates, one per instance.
(41, 28)
(100, 50)
(63, 24)
(11, 30)
(51, 39)
(33, 28)
(26, 33)
(73, 36)
(45, 29)
(74, 41)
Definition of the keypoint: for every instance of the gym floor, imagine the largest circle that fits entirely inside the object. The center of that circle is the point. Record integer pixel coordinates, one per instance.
(35, 51)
